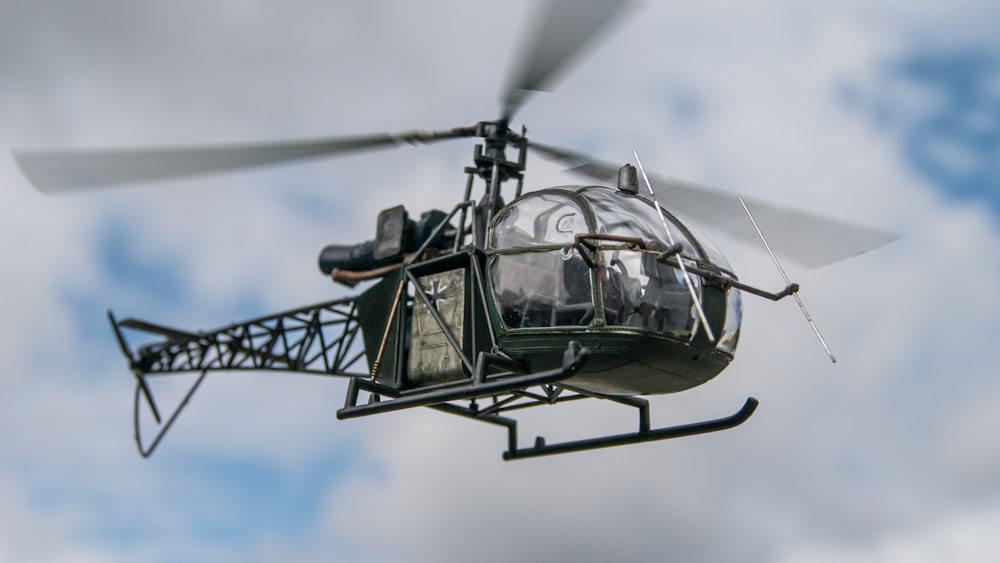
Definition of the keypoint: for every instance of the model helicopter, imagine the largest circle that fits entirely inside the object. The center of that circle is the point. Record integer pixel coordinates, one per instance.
(561, 294)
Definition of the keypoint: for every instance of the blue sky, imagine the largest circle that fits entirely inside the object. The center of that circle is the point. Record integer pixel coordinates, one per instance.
(885, 115)
(954, 142)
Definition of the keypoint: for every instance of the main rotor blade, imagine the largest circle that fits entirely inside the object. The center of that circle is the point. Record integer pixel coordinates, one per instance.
(808, 239)
(565, 28)
(62, 171)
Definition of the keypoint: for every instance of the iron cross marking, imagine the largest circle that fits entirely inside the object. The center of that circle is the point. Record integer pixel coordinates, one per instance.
(437, 294)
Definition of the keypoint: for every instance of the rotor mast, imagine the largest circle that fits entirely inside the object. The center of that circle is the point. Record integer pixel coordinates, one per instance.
(492, 165)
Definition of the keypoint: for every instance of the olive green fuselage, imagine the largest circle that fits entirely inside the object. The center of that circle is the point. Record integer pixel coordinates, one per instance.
(623, 360)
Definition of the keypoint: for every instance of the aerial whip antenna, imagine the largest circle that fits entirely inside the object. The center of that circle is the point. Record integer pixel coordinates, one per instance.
(788, 282)
(670, 239)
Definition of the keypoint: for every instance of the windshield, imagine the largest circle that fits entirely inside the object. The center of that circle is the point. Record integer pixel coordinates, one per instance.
(579, 257)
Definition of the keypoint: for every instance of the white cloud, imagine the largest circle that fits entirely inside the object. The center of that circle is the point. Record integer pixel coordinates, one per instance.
(968, 537)
(30, 534)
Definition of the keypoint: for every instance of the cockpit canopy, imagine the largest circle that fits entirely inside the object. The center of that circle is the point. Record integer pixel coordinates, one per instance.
(588, 257)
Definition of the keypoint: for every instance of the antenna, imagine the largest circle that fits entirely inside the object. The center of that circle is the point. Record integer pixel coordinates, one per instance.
(788, 282)
(670, 239)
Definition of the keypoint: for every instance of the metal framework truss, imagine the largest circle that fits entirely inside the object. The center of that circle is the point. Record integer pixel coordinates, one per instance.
(320, 339)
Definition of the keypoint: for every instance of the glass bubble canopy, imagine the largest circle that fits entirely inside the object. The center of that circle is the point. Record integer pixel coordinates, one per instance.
(591, 257)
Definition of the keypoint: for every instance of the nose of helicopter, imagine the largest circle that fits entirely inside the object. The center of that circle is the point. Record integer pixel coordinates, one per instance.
(591, 260)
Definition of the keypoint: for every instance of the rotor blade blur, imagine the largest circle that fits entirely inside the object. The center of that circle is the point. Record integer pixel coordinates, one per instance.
(564, 29)
(808, 239)
(62, 171)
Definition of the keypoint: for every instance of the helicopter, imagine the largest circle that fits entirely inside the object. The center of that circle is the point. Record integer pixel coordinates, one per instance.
(560, 294)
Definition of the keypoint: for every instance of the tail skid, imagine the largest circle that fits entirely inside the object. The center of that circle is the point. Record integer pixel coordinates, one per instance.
(146, 452)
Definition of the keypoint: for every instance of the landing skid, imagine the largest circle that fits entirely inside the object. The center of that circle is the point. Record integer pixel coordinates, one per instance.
(381, 400)
(645, 434)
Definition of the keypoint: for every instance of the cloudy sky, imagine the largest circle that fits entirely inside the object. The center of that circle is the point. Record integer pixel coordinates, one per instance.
(879, 112)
